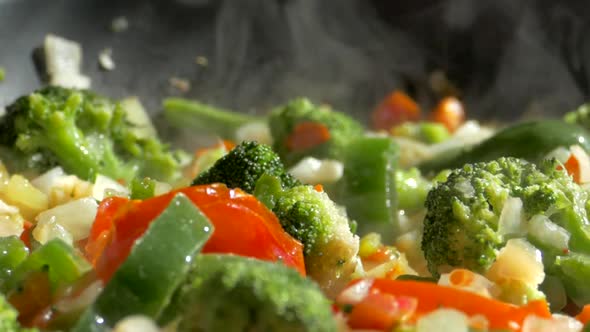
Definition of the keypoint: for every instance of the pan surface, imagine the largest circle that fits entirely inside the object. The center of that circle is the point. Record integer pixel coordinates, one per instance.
(506, 58)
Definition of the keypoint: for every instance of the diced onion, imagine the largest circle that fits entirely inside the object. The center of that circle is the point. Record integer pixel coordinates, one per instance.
(76, 217)
(11, 224)
(561, 154)
(47, 180)
(518, 260)
(448, 320)
(254, 131)
(557, 322)
(87, 297)
(47, 230)
(136, 323)
(547, 232)
(23, 195)
(313, 171)
(511, 218)
(469, 281)
(63, 59)
(355, 293)
(105, 186)
(583, 161)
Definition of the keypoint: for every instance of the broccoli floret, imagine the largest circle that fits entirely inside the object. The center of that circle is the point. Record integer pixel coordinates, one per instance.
(233, 293)
(244, 165)
(461, 227)
(461, 224)
(330, 248)
(85, 133)
(579, 116)
(8, 318)
(284, 121)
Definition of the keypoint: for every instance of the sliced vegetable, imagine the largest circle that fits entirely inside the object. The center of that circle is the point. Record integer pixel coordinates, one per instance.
(244, 226)
(529, 140)
(431, 297)
(367, 187)
(450, 113)
(307, 135)
(144, 283)
(12, 252)
(395, 109)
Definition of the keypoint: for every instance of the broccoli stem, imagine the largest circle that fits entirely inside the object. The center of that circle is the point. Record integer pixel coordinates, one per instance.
(196, 115)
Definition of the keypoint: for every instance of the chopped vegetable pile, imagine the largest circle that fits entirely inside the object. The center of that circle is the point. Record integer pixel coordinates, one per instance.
(301, 220)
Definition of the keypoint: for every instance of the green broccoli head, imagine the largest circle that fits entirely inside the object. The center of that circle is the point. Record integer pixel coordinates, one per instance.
(330, 248)
(85, 133)
(285, 120)
(461, 224)
(233, 293)
(8, 318)
(242, 166)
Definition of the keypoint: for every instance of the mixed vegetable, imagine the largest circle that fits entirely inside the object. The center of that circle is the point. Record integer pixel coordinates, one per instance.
(302, 220)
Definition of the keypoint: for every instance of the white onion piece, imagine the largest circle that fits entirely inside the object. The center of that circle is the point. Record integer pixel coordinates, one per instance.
(560, 154)
(448, 320)
(87, 297)
(355, 293)
(136, 323)
(254, 131)
(7, 209)
(518, 260)
(313, 171)
(584, 162)
(63, 59)
(49, 179)
(47, 230)
(11, 224)
(105, 186)
(547, 232)
(561, 323)
(511, 218)
(76, 217)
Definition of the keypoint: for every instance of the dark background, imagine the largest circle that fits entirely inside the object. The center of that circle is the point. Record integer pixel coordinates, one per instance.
(507, 58)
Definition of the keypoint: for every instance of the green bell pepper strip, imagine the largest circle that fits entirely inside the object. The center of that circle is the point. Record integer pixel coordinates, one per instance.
(62, 263)
(142, 188)
(529, 140)
(367, 187)
(157, 264)
(12, 252)
(574, 271)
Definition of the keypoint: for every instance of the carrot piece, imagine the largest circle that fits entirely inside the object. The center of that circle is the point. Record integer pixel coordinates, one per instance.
(431, 296)
(584, 315)
(450, 113)
(377, 311)
(25, 236)
(395, 109)
(307, 135)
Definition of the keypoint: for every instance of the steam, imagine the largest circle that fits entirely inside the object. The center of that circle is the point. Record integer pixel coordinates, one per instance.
(335, 52)
(504, 55)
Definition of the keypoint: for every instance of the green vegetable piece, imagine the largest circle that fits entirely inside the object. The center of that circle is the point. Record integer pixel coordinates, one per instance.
(433, 132)
(284, 120)
(461, 226)
(84, 133)
(530, 141)
(267, 190)
(12, 252)
(574, 272)
(2, 74)
(412, 189)
(244, 165)
(62, 263)
(368, 188)
(329, 247)
(200, 116)
(143, 188)
(157, 264)
(8, 318)
(232, 293)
